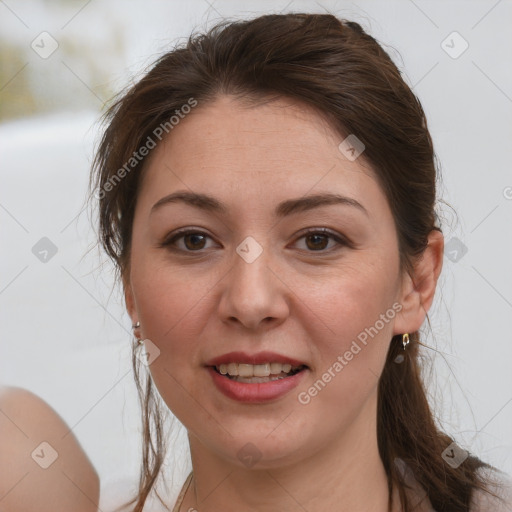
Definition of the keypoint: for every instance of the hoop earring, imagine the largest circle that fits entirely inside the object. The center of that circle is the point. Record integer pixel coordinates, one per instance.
(139, 341)
(405, 339)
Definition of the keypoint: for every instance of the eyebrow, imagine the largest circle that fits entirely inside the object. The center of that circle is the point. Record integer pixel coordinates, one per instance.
(290, 206)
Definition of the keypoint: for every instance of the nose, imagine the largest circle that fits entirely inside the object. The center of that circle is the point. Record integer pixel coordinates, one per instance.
(253, 295)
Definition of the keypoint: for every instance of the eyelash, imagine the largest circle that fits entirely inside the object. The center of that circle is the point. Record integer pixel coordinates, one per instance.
(341, 241)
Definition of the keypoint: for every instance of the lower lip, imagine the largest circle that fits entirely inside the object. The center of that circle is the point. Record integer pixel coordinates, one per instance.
(256, 392)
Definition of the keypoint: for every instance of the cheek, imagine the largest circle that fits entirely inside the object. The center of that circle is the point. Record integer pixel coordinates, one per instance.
(355, 303)
(352, 327)
(171, 306)
(169, 299)
(171, 313)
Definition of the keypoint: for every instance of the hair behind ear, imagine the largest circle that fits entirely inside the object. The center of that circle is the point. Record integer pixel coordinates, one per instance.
(406, 432)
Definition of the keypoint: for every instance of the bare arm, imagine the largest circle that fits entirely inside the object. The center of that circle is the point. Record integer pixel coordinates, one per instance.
(43, 468)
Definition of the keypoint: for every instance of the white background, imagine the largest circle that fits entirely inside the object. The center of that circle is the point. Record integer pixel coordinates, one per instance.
(66, 337)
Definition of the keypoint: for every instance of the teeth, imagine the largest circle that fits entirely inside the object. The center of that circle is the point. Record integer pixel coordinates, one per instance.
(275, 368)
(255, 370)
(231, 368)
(261, 370)
(255, 380)
(245, 370)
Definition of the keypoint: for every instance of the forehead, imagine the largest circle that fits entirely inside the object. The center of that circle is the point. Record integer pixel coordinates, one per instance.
(278, 149)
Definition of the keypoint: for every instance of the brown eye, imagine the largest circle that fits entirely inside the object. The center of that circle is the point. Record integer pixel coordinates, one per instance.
(317, 240)
(193, 241)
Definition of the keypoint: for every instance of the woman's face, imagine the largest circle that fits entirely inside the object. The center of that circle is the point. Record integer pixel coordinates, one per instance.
(252, 281)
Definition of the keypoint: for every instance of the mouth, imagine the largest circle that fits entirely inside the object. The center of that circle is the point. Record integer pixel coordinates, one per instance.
(258, 378)
(257, 373)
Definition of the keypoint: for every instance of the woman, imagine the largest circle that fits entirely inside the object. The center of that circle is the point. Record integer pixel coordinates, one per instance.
(267, 194)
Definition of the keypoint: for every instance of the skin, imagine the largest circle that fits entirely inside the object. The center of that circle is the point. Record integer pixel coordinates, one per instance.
(301, 297)
(69, 483)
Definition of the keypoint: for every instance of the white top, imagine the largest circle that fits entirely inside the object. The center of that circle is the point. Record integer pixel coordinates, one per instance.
(484, 502)
(117, 492)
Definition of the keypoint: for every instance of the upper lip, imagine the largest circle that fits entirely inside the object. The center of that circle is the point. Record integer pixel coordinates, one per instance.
(258, 358)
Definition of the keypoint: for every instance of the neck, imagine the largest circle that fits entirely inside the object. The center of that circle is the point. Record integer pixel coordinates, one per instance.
(347, 475)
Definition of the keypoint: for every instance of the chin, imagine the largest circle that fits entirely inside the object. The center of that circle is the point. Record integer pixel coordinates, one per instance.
(257, 450)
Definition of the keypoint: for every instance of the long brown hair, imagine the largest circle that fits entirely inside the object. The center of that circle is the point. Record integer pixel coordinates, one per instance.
(334, 66)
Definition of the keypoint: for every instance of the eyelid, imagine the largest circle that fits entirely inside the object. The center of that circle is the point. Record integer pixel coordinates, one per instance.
(182, 232)
(340, 239)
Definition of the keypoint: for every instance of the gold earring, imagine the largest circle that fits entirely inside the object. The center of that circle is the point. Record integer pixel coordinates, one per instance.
(138, 340)
(405, 339)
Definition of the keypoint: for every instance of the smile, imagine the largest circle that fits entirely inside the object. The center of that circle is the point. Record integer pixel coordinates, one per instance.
(258, 373)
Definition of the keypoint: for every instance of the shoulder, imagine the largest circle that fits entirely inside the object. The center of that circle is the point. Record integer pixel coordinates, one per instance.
(500, 484)
(42, 464)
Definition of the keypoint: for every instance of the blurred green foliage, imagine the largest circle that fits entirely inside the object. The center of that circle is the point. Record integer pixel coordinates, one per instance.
(79, 75)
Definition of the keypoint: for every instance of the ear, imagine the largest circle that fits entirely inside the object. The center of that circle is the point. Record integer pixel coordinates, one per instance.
(417, 293)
